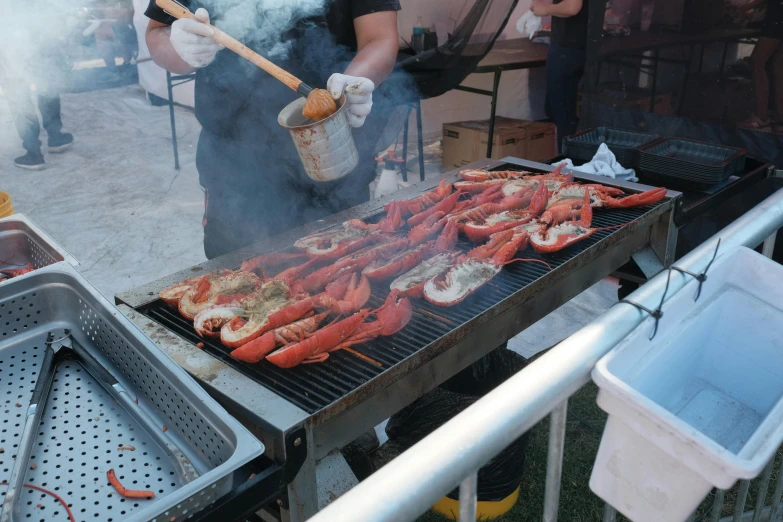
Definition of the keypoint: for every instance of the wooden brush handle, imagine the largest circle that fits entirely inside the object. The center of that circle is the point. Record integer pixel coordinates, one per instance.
(179, 11)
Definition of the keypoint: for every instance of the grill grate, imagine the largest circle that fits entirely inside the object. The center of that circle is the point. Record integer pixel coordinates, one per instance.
(312, 387)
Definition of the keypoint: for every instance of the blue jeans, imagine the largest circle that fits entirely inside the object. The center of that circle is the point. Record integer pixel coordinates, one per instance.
(21, 101)
(564, 68)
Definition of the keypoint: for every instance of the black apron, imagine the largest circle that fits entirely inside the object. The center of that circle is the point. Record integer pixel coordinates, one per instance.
(255, 183)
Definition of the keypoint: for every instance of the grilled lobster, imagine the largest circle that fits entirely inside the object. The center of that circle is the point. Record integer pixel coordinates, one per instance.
(474, 269)
(416, 205)
(566, 234)
(336, 243)
(224, 288)
(258, 348)
(391, 318)
(481, 230)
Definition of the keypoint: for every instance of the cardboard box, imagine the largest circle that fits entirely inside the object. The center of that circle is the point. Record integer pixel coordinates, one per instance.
(466, 142)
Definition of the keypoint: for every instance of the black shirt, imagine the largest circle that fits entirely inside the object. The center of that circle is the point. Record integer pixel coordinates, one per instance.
(243, 152)
(233, 94)
(572, 31)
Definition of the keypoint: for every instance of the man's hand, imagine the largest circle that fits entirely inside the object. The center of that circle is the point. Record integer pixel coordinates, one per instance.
(540, 8)
(193, 40)
(358, 95)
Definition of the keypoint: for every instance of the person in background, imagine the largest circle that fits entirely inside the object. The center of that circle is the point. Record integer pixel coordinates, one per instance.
(565, 62)
(255, 185)
(19, 95)
(767, 51)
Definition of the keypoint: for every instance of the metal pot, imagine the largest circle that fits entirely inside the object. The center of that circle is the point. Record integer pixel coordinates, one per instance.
(326, 148)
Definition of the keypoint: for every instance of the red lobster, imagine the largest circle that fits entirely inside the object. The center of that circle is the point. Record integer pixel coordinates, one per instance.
(411, 283)
(408, 207)
(566, 234)
(219, 289)
(174, 293)
(474, 269)
(335, 243)
(317, 281)
(405, 261)
(446, 205)
(602, 196)
(258, 348)
(479, 231)
(486, 175)
(16, 272)
(262, 265)
(278, 306)
(392, 317)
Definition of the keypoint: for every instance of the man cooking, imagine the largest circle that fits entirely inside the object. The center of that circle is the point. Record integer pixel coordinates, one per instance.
(255, 186)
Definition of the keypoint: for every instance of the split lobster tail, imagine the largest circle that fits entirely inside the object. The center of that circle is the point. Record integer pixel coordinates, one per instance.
(638, 200)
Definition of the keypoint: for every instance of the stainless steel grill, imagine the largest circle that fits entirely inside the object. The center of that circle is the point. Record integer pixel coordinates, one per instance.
(312, 387)
(339, 399)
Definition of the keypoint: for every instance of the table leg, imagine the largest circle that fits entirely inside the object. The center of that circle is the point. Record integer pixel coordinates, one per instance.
(723, 58)
(491, 137)
(688, 66)
(654, 80)
(420, 141)
(701, 58)
(173, 123)
(405, 146)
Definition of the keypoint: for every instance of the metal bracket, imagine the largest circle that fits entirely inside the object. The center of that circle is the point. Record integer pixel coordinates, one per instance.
(266, 485)
(648, 262)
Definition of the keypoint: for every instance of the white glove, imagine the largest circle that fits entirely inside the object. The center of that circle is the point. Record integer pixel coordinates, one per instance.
(529, 24)
(358, 95)
(193, 40)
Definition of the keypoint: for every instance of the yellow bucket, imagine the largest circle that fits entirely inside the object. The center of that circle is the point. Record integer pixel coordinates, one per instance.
(6, 206)
(485, 510)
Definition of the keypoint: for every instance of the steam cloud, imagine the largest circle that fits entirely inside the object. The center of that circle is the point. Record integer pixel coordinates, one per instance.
(263, 22)
(31, 39)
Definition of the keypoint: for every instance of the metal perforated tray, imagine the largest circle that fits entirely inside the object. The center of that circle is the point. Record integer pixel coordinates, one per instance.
(22, 242)
(83, 427)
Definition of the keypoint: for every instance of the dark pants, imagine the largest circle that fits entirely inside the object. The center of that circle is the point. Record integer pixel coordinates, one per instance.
(20, 100)
(564, 68)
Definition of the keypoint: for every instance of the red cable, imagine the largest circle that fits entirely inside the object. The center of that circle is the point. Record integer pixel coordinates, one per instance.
(52, 493)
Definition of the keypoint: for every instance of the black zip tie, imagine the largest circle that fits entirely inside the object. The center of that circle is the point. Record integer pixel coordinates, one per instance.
(655, 314)
(699, 277)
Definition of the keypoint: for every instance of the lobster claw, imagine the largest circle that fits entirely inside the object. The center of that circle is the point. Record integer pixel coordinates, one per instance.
(394, 314)
(636, 200)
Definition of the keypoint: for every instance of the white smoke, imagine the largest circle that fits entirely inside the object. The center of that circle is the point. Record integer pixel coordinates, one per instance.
(263, 22)
(33, 36)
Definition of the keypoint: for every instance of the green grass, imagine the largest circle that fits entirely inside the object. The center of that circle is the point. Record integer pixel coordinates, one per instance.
(577, 503)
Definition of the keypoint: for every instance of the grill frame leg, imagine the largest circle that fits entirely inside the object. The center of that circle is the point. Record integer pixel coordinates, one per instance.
(554, 461)
(468, 498)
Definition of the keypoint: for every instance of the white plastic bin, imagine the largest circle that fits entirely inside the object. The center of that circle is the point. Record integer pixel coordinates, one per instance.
(701, 404)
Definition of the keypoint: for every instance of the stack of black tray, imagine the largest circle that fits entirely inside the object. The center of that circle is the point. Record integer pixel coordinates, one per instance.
(701, 165)
(583, 145)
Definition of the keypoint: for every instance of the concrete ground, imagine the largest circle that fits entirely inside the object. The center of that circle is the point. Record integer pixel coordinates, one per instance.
(115, 202)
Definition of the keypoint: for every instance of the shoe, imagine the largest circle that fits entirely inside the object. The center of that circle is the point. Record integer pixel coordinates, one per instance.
(60, 142)
(30, 161)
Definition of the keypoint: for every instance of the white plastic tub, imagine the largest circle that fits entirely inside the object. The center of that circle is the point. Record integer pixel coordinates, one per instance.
(701, 404)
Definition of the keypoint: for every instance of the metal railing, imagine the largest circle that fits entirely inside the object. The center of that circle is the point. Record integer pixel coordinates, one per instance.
(410, 484)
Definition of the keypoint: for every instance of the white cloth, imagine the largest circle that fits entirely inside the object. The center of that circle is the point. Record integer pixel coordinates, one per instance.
(193, 40)
(529, 24)
(603, 164)
(358, 95)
